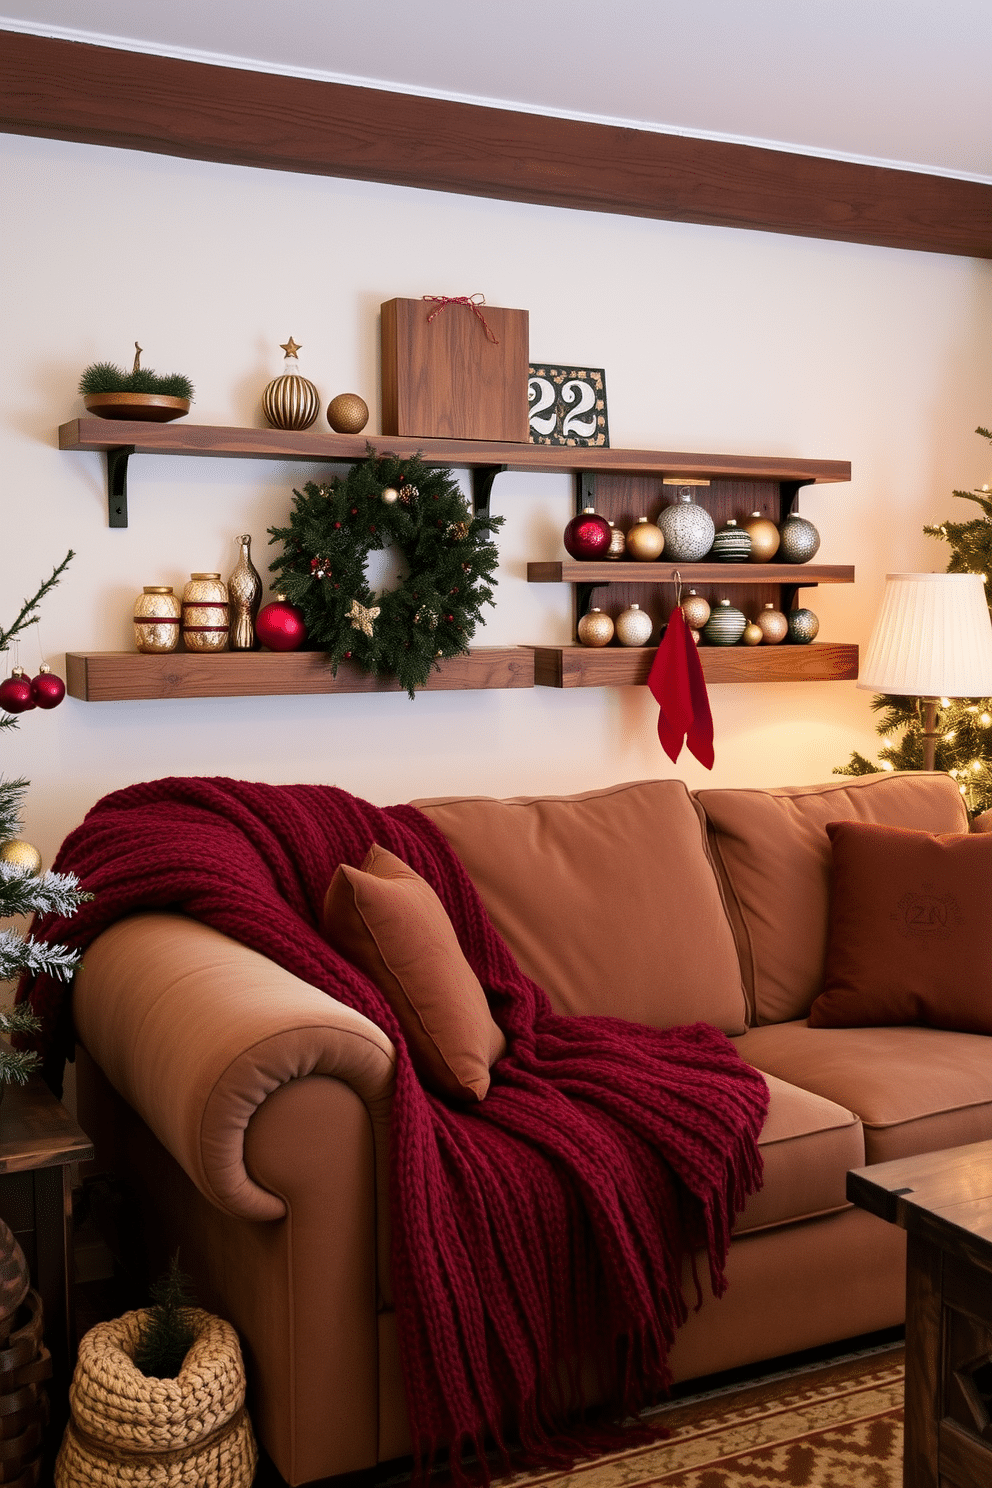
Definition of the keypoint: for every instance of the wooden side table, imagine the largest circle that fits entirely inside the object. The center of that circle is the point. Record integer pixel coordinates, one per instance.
(39, 1141)
(944, 1202)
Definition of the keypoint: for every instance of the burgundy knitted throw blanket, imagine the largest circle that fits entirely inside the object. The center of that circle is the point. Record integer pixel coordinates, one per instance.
(540, 1229)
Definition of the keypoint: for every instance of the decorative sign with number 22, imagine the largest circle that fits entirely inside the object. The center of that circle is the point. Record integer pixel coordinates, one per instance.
(567, 405)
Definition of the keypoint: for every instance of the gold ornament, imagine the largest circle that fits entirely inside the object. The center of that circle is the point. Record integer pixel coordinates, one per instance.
(753, 634)
(206, 613)
(764, 537)
(290, 347)
(595, 628)
(773, 625)
(18, 854)
(362, 618)
(618, 543)
(696, 610)
(645, 541)
(244, 589)
(347, 413)
(695, 636)
(157, 613)
(390, 495)
(290, 401)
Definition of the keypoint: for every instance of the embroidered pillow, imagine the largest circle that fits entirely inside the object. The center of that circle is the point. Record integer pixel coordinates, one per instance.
(910, 930)
(390, 924)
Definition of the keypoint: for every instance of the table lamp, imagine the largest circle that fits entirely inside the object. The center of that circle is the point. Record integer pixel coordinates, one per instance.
(932, 640)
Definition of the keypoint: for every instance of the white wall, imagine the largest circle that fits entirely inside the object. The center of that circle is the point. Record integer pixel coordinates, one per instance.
(713, 340)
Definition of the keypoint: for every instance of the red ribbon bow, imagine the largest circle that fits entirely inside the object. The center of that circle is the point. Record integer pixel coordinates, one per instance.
(473, 302)
(677, 684)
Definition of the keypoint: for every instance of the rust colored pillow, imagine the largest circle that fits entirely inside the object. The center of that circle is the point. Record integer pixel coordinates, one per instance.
(910, 931)
(390, 924)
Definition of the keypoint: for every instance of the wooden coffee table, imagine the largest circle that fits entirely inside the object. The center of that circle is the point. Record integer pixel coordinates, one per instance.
(943, 1200)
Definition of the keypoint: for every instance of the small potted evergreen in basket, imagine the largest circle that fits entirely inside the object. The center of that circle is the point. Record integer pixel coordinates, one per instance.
(110, 392)
(158, 1396)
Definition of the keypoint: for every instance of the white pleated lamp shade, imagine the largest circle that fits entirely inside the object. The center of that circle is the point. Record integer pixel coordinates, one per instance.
(932, 638)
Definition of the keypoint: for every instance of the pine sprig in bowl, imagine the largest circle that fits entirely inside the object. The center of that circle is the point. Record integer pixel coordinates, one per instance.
(111, 392)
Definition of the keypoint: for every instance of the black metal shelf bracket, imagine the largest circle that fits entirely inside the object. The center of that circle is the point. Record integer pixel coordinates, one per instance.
(482, 486)
(117, 459)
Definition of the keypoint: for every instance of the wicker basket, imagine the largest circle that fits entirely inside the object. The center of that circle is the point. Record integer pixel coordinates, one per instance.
(129, 1429)
(24, 1364)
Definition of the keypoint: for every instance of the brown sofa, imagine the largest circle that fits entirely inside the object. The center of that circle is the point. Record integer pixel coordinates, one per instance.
(248, 1113)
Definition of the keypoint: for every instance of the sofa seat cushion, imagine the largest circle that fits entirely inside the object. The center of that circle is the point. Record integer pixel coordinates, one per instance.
(773, 855)
(807, 1144)
(915, 1089)
(608, 899)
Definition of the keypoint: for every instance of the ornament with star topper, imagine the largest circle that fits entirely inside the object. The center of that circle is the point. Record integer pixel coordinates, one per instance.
(446, 556)
(291, 401)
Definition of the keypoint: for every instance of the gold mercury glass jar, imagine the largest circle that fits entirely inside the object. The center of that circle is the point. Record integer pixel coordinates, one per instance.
(205, 613)
(156, 619)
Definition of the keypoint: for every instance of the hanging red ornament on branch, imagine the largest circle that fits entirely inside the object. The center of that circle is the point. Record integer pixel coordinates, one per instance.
(47, 689)
(15, 692)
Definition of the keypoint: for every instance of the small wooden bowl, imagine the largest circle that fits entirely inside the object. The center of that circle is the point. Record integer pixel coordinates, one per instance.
(153, 408)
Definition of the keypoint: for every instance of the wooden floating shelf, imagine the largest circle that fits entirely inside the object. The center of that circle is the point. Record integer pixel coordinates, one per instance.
(118, 676)
(183, 438)
(620, 572)
(621, 666)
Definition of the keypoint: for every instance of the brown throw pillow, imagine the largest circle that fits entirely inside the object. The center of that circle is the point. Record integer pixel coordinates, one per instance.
(390, 924)
(910, 933)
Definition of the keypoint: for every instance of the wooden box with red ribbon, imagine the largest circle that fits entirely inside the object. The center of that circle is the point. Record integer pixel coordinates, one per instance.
(455, 368)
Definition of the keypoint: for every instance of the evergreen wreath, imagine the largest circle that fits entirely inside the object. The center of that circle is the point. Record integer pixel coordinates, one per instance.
(448, 566)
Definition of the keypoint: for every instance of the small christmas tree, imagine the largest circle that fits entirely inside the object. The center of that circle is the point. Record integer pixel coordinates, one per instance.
(22, 889)
(964, 743)
(168, 1331)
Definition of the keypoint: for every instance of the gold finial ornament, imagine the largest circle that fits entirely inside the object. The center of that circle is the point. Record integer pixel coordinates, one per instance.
(290, 401)
(244, 591)
(137, 357)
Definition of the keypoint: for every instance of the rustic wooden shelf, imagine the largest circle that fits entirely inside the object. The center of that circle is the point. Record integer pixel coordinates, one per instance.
(281, 444)
(118, 676)
(621, 572)
(621, 666)
(121, 438)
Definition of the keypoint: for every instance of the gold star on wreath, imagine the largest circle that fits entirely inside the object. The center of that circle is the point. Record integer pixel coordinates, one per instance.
(291, 347)
(361, 618)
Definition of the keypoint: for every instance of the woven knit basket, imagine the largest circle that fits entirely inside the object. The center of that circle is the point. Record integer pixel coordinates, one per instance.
(126, 1428)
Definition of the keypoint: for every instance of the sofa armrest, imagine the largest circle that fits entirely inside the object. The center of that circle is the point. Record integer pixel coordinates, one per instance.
(195, 1031)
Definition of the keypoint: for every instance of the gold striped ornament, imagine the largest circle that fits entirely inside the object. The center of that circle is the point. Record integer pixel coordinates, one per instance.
(291, 401)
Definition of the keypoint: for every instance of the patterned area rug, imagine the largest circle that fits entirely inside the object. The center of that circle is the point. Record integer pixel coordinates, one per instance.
(838, 1426)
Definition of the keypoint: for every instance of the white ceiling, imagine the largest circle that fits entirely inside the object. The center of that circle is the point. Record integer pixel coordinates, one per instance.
(901, 82)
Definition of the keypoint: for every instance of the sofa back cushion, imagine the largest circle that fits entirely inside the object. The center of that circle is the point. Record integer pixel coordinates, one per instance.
(773, 855)
(607, 899)
(910, 922)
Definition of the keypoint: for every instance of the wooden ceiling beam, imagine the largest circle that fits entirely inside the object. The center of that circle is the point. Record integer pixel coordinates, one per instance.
(130, 100)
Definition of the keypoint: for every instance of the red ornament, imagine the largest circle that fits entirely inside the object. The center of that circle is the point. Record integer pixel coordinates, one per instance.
(280, 626)
(47, 690)
(15, 692)
(587, 536)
